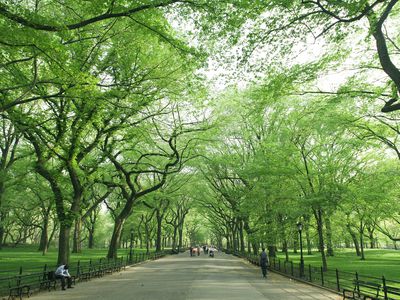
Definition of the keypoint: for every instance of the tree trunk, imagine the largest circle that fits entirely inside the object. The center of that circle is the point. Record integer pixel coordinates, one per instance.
(329, 237)
(383, 52)
(362, 240)
(1, 233)
(2, 215)
(318, 217)
(92, 228)
(44, 238)
(241, 237)
(285, 249)
(174, 239)
(271, 251)
(308, 240)
(180, 234)
(285, 243)
(63, 243)
(354, 238)
(308, 237)
(371, 237)
(115, 238)
(76, 245)
(91, 236)
(228, 243)
(255, 247)
(148, 239)
(159, 218)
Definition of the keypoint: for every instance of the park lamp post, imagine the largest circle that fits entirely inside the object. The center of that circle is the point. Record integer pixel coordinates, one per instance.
(131, 247)
(300, 228)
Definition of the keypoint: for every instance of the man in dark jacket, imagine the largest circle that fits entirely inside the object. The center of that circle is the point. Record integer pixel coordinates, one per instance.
(264, 262)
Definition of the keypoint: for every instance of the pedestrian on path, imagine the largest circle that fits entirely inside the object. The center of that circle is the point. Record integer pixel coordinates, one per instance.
(264, 262)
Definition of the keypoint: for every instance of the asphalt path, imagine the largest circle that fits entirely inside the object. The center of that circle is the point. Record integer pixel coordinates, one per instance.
(180, 276)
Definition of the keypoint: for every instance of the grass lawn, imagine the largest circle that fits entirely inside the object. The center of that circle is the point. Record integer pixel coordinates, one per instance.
(27, 256)
(377, 263)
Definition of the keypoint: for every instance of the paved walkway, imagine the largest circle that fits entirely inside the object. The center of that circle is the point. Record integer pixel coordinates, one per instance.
(182, 277)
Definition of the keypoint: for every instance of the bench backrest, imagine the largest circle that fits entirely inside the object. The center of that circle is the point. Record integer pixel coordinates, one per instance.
(365, 287)
(51, 275)
(392, 290)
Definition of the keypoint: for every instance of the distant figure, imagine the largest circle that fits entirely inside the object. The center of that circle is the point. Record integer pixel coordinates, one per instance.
(211, 250)
(264, 262)
(191, 251)
(198, 250)
(204, 249)
(62, 273)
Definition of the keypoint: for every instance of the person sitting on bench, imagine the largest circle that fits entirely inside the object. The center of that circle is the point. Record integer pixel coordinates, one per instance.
(62, 273)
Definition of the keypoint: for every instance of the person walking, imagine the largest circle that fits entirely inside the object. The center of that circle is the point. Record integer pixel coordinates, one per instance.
(264, 262)
(62, 273)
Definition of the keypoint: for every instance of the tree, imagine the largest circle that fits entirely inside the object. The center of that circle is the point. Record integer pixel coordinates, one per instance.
(10, 139)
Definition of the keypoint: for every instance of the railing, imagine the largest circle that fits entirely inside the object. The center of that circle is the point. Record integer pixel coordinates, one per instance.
(82, 270)
(140, 257)
(334, 279)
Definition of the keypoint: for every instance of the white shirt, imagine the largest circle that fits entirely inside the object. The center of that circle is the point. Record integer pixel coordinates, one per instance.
(62, 272)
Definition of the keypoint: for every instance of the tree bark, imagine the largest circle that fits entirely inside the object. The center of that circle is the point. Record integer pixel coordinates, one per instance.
(115, 238)
(329, 237)
(91, 237)
(361, 231)
(354, 238)
(321, 246)
(44, 236)
(63, 243)
(159, 218)
(174, 239)
(271, 251)
(308, 239)
(76, 245)
(180, 234)
(383, 53)
(371, 237)
(2, 214)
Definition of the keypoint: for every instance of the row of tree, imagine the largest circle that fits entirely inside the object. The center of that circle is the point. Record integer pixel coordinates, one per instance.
(99, 111)
(101, 107)
(286, 159)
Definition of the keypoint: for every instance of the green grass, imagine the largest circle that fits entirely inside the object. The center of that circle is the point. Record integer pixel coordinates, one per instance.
(11, 259)
(377, 263)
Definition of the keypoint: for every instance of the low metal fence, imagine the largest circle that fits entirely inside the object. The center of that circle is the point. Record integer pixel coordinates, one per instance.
(81, 270)
(332, 279)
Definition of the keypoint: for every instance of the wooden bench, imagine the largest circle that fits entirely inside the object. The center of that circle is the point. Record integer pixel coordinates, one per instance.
(254, 261)
(48, 281)
(118, 265)
(85, 273)
(363, 290)
(17, 288)
(98, 270)
(391, 291)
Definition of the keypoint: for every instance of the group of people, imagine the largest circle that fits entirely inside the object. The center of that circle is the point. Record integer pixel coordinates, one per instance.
(206, 250)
